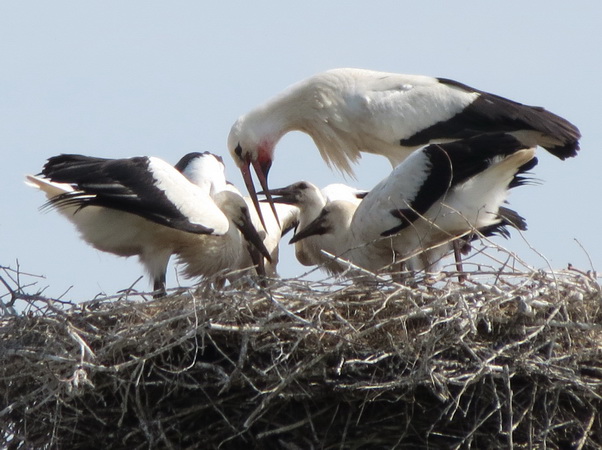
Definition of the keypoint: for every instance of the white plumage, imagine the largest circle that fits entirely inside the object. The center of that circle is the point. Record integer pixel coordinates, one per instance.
(114, 231)
(210, 172)
(223, 256)
(271, 232)
(331, 232)
(206, 170)
(202, 257)
(348, 111)
(311, 200)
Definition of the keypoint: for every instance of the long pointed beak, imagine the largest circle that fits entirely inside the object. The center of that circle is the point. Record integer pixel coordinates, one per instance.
(248, 179)
(262, 170)
(251, 235)
(286, 195)
(257, 260)
(317, 226)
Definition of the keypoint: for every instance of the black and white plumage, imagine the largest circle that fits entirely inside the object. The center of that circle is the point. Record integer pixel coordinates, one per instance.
(349, 111)
(436, 195)
(204, 169)
(138, 206)
(145, 186)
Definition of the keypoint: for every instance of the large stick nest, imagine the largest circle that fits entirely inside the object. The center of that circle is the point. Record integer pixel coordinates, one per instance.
(508, 359)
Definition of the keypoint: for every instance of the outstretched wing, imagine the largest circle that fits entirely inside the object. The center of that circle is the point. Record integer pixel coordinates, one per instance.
(146, 186)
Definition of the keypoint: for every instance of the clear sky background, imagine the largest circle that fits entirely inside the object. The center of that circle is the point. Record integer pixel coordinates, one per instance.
(125, 78)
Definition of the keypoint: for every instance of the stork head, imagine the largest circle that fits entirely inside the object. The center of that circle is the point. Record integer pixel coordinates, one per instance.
(249, 149)
(322, 224)
(302, 194)
(334, 219)
(235, 208)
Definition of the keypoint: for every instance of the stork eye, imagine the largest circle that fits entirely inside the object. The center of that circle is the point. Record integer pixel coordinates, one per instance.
(303, 185)
(238, 151)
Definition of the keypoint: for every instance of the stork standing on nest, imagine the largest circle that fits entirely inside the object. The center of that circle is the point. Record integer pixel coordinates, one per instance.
(349, 111)
(142, 206)
(439, 193)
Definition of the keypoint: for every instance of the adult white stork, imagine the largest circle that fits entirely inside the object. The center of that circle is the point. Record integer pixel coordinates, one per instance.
(439, 193)
(311, 200)
(348, 111)
(138, 206)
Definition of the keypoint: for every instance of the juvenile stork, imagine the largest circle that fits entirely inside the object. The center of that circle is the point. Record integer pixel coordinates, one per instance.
(209, 172)
(271, 230)
(311, 200)
(138, 206)
(439, 193)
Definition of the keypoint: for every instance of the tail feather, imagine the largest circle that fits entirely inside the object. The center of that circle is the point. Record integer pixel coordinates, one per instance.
(51, 189)
(490, 112)
(520, 179)
(512, 218)
(72, 168)
(509, 218)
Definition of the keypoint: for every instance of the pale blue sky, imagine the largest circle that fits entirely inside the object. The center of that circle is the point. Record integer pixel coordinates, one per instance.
(119, 79)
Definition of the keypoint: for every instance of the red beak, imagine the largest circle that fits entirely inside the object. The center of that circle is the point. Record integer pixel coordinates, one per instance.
(248, 179)
(261, 170)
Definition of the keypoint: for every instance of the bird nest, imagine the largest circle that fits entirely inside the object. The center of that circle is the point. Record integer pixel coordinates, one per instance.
(507, 358)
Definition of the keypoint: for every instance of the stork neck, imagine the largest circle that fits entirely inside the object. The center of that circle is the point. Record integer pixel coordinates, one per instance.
(291, 110)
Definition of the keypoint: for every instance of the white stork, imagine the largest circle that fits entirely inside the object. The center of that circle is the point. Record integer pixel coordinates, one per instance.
(348, 111)
(138, 206)
(437, 194)
(225, 256)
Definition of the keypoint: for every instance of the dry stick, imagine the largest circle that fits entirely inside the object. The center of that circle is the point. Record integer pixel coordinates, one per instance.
(233, 364)
(588, 427)
(284, 382)
(591, 263)
(509, 401)
(463, 442)
(196, 344)
(311, 311)
(292, 426)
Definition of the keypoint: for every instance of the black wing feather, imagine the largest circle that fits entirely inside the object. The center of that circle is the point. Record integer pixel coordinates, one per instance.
(492, 113)
(454, 163)
(122, 184)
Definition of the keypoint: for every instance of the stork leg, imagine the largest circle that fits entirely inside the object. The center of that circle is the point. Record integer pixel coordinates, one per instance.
(159, 287)
(458, 256)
